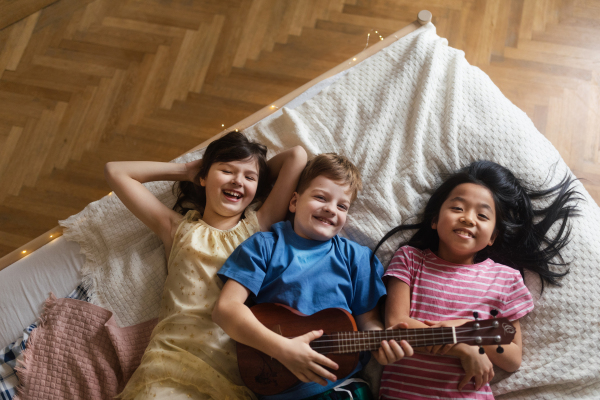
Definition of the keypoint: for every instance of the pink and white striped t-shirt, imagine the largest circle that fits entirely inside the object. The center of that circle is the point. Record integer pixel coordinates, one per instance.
(442, 291)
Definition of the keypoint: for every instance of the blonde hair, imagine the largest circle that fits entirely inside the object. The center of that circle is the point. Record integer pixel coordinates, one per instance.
(332, 166)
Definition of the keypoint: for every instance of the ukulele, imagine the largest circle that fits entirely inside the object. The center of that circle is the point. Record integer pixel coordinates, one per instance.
(341, 341)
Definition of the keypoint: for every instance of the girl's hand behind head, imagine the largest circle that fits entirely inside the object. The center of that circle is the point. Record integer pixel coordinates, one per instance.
(192, 169)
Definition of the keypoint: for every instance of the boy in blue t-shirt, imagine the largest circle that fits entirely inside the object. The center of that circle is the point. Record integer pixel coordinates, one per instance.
(308, 267)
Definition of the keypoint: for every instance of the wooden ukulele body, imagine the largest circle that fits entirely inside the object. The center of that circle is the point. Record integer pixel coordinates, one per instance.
(265, 375)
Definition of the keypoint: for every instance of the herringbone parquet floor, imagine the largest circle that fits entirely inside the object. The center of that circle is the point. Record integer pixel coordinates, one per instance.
(83, 82)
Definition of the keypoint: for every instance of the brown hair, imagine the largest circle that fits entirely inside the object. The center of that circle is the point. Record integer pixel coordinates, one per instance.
(332, 166)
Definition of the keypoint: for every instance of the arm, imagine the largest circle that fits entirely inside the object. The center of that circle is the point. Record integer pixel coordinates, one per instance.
(391, 351)
(126, 178)
(236, 319)
(397, 310)
(286, 168)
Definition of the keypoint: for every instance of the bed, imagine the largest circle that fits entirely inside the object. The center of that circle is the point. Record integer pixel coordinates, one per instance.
(406, 111)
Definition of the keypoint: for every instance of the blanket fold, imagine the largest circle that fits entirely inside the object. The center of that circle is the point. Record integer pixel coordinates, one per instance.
(78, 352)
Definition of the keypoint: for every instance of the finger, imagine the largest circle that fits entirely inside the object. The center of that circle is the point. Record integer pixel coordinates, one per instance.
(430, 323)
(408, 350)
(446, 348)
(492, 374)
(316, 378)
(478, 381)
(324, 361)
(387, 352)
(321, 372)
(312, 335)
(464, 381)
(401, 325)
(397, 350)
(435, 349)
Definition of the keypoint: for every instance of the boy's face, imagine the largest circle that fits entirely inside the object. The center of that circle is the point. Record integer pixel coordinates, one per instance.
(321, 209)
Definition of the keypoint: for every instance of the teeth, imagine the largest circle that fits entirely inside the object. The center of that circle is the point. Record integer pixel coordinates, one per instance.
(464, 233)
(237, 195)
(324, 220)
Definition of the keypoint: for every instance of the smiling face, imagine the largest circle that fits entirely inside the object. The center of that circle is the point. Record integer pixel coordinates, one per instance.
(230, 188)
(466, 223)
(321, 209)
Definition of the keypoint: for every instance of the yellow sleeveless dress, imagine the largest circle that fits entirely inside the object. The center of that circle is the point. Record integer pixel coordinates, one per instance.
(189, 356)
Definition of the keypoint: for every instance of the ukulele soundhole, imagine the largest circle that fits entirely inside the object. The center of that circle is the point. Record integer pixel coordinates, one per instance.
(269, 371)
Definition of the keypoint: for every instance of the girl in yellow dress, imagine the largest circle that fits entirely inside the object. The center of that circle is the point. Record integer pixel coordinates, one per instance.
(190, 357)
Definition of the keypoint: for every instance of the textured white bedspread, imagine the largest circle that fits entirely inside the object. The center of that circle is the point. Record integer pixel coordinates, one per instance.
(407, 115)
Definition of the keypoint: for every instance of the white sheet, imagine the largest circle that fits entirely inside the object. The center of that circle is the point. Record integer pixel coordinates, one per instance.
(25, 284)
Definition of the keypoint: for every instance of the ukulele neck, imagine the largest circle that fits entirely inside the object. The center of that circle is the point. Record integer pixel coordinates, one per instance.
(350, 342)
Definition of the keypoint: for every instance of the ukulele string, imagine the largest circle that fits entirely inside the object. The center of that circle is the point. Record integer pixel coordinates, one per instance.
(322, 345)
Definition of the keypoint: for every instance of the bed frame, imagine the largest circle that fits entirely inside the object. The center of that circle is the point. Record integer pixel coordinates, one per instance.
(423, 18)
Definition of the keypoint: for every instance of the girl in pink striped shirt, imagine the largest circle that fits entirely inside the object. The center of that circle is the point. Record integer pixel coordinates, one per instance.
(445, 272)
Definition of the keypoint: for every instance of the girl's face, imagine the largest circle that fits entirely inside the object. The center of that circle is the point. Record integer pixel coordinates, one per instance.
(230, 187)
(466, 223)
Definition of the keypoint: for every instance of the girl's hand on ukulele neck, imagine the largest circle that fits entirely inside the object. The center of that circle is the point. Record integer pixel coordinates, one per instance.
(443, 349)
(477, 366)
(392, 351)
(306, 363)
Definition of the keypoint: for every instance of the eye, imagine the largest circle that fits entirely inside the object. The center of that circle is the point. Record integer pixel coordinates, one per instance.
(226, 171)
(456, 208)
(343, 207)
(483, 216)
(250, 178)
(319, 197)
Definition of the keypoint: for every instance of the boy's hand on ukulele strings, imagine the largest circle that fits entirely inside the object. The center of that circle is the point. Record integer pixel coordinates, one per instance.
(443, 349)
(306, 363)
(477, 366)
(390, 351)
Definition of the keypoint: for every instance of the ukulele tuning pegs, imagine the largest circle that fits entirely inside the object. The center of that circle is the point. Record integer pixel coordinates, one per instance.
(475, 315)
(482, 351)
(499, 350)
(494, 313)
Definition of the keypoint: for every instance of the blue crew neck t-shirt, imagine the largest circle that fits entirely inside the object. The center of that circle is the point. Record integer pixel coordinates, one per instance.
(308, 275)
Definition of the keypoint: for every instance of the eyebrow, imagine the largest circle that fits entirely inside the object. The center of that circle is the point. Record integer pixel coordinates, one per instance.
(483, 205)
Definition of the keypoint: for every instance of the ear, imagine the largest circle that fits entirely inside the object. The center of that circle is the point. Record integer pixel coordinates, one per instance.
(202, 182)
(434, 223)
(493, 238)
(294, 202)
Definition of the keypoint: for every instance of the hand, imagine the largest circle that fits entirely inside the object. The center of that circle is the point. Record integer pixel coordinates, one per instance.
(477, 366)
(192, 169)
(306, 363)
(391, 351)
(443, 349)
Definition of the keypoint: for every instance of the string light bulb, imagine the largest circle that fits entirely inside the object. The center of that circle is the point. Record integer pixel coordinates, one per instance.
(24, 251)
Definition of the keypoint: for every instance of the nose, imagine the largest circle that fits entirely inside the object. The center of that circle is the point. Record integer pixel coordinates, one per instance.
(467, 220)
(327, 207)
(236, 180)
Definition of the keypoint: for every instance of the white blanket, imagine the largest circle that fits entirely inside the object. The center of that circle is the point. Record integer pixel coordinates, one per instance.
(407, 115)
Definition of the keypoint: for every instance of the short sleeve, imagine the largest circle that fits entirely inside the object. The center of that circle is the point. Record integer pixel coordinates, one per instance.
(519, 301)
(401, 266)
(247, 264)
(367, 285)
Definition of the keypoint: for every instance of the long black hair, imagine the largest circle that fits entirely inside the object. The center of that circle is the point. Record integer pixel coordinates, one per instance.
(522, 240)
(234, 146)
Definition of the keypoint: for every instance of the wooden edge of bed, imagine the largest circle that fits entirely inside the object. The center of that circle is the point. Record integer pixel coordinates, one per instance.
(423, 18)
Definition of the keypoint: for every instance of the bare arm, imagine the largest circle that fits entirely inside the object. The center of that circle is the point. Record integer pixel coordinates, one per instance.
(126, 178)
(285, 167)
(390, 351)
(236, 319)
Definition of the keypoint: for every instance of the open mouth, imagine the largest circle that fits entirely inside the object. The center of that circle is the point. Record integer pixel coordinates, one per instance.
(463, 233)
(324, 220)
(232, 195)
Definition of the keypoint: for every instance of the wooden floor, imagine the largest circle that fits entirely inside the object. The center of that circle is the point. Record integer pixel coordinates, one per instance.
(83, 82)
